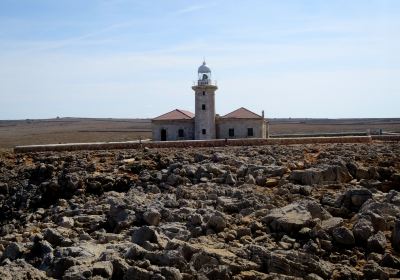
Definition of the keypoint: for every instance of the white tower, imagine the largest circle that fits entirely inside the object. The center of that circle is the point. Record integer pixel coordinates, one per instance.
(204, 124)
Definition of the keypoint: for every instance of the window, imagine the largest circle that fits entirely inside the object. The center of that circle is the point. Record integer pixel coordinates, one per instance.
(231, 132)
(250, 131)
(181, 133)
(203, 106)
(203, 131)
(204, 93)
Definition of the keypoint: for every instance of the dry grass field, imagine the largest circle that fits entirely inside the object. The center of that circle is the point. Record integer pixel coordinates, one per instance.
(73, 130)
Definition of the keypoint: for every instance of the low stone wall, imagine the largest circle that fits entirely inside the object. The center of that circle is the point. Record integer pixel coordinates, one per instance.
(386, 138)
(201, 143)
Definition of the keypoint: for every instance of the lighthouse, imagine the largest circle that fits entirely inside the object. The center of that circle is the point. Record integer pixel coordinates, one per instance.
(204, 90)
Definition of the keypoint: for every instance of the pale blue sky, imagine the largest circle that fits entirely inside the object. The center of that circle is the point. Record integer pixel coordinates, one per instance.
(133, 59)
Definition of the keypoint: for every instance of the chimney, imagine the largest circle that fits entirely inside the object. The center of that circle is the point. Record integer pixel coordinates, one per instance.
(262, 113)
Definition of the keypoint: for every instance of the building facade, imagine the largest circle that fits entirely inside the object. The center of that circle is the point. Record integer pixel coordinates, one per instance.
(205, 124)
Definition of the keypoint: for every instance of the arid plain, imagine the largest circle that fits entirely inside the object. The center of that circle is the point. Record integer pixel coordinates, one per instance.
(74, 130)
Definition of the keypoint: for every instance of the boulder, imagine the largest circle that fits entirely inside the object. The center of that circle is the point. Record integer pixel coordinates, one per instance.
(300, 214)
(53, 236)
(143, 234)
(306, 177)
(343, 236)
(21, 270)
(13, 251)
(298, 264)
(152, 217)
(321, 175)
(330, 224)
(380, 213)
(362, 230)
(290, 218)
(357, 197)
(377, 242)
(171, 273)
(78, 272)
(396, 235)
(217, 223)
(230, 179)
(103, 269)
(66, 222)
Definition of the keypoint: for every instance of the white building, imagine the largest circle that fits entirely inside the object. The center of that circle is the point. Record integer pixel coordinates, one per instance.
(205, 124)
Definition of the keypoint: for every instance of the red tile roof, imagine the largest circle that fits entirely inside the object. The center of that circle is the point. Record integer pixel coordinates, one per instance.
(241, 113)
(176, 114)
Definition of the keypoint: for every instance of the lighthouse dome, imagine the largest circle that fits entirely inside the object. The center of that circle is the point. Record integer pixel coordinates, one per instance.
(204, 68)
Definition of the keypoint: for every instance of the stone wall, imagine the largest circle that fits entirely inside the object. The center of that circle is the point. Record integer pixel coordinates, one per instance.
(240, 127)
(200, 143)
(172, 127)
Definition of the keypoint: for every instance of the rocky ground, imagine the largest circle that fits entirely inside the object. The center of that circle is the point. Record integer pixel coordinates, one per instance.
(273, 212)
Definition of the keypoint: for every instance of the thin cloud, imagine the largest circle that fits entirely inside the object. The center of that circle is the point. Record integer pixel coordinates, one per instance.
(191, 9)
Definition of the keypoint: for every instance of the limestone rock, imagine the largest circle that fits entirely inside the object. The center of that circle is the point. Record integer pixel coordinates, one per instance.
(343, 236)
(362, 230)
(13, 251)
(21, 270)
(377, 242)
(152, 217)
(396, 235)
(217, 223)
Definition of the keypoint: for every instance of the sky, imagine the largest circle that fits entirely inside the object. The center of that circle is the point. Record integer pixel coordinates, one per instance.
(139, 59)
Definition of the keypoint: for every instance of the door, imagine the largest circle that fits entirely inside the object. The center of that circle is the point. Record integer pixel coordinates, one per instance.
(163, 134)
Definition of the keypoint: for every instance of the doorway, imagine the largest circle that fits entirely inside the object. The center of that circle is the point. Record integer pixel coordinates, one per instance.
(163, 134)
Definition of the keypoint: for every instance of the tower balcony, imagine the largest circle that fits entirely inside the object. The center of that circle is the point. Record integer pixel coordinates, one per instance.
(206, 82)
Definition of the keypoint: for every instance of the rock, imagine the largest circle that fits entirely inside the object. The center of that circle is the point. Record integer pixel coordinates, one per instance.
(289, 219)
(345, 272)
(393, 197)
(171, 273)
(321, 175)
(3, 188)
(343, 236)
(271, 182)
(396, 235)
(217, 223)
(78, 272)
(143, 234)
(377, 242)
(137, 273)
(306, 177)
(297, 264)
(104, 269)
(13, 251)
(119, 215)
(21, 270)
(45, 247)
(332, 223)
(249, 179)
(389, 260)
(66, 222)
(196, 219)
(313, 276)
(362, 230)
(230, 179)
(91, 215)
(119, 268)
(152, 217)
(135, 252)
(372, 270)
(380, 213)
(358, 196)
(362, 173)
(53, 236)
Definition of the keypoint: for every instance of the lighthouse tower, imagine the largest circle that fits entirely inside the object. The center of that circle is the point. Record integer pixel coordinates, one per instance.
(204, 123)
